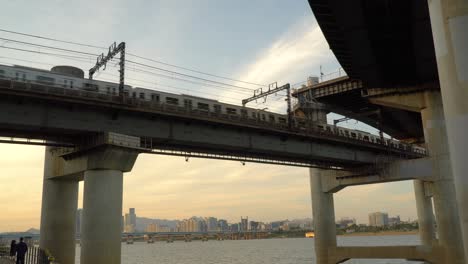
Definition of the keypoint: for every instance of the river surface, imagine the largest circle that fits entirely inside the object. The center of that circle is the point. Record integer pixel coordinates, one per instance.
(261, 251)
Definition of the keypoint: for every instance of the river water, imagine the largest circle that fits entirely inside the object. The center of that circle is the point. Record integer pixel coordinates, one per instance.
(261, 251)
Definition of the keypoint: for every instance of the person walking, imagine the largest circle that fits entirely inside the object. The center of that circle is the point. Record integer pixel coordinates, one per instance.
(13, 248)
(21, 249)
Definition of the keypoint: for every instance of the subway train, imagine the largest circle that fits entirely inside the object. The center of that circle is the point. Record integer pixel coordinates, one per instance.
(65, 77)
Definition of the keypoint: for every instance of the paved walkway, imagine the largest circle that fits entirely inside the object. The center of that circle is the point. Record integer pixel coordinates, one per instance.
(6, 261)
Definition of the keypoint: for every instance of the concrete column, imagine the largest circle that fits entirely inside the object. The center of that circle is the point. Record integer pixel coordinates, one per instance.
(443, 187)
(102, 213)
(425, 214)
(323, 211)
(58, 213)
(449, 21)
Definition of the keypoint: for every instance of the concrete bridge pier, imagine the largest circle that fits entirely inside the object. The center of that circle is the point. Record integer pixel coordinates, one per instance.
(323, 211)
(101, 167)
(58, 212)
(102, 213)
(449, 21)
(445, 204)
(102, 204)
(425, 213)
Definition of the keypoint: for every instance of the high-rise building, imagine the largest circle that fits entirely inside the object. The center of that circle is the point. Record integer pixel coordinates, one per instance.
(130, 221)
(378, 219)
(79, 216)
(223, 225)
(211, 224)
(244, 224)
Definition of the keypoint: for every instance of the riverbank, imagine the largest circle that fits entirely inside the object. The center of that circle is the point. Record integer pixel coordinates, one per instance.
(382, 233)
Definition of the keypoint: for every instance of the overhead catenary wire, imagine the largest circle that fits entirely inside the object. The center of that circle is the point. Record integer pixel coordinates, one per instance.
(129, 61)
(129, 54)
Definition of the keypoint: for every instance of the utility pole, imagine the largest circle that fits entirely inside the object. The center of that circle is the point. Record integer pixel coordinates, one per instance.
(272, 89)
(102, 61)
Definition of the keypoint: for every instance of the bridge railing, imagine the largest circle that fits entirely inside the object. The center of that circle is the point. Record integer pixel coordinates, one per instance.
(35, 255)
(299, 126)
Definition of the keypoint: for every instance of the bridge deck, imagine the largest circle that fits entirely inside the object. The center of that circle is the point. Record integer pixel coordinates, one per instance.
(51, 113)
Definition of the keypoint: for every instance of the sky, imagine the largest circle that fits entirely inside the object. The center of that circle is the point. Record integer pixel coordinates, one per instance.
(260, 41)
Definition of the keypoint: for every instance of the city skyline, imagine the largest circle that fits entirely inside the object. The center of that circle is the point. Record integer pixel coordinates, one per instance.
(287, 49)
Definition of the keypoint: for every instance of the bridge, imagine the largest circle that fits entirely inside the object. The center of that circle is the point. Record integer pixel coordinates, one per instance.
(95, 138)
(407, 66)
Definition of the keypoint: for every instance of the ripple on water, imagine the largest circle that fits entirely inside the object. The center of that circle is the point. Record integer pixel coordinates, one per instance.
(262, 251)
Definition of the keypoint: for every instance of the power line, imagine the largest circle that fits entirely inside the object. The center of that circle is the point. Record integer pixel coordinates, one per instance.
(186, 75)
(196, 71)
(51, 39)
(129, 61)
(48, 47)
(130, 54)
(45, 53)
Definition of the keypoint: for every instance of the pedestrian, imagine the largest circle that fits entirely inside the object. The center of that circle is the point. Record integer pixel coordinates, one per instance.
(21, 250)
(13, 248)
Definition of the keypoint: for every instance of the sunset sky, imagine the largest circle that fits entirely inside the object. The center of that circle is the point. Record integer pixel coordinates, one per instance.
(260, 41)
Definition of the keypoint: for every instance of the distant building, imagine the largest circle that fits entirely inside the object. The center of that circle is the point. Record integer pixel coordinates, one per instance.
(244, 224)
(346, 221)
(151, 228)
(234, 228)
(394, 220)
(378, 219)
(254, 226)
(211, 224)
(79, 216)
(130, 221)
(223, 225)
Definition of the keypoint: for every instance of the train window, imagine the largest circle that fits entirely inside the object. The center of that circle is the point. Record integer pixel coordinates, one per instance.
(108, 89)
(2, 73)
(217, 108)
(263, 117)
(231, 111)
(134, 94)
(142, 95)
(17, 76)
(114, 91)
(203, 106)
(126, 93)
(71, 84)
(353, 134)
(155, 97)
(254, 115)
(366, 138)
(45, 80)
(243, 112)
(188, 104)
(172, 101)
(271, 118)
(282, 120)
(65, 82)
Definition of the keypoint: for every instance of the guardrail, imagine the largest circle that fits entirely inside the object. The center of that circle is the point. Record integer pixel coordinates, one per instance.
(299, 127)
(35, 255)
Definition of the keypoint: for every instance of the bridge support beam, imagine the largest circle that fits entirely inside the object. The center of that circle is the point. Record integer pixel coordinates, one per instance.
(323, 211)
(58, 212)
(449, 20)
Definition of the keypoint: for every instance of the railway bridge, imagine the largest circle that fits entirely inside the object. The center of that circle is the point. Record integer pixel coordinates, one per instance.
(95, 138)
